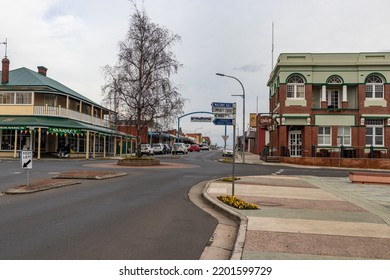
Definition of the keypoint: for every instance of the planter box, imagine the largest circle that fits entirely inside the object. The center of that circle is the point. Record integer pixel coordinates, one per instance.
(369, 178)
(138, 162)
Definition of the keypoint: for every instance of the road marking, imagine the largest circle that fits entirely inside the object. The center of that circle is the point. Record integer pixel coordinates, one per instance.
(53, 173)
(278, 172)
(16, 172)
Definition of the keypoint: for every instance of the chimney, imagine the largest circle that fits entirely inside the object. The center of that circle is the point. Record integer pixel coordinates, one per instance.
(5, 71)
(42, 70)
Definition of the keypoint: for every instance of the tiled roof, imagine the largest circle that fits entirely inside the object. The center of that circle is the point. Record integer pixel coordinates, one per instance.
(26, 77)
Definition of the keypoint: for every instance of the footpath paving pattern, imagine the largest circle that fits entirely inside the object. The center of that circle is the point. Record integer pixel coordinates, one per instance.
(312, 218)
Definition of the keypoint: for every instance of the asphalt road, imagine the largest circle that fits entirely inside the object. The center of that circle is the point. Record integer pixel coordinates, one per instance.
(144, 215)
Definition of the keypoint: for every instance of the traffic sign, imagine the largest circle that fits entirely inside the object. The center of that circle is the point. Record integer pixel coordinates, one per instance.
(222, 105)
(223, 121)
(26, 159)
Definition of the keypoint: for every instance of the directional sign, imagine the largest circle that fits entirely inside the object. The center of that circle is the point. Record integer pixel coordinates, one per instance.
(223, 121)
(224, 116)
(223, 110)
(201, 119)
(222, 105)
(26, 159)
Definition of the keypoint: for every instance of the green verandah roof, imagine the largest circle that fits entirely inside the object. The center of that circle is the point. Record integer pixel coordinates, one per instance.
(24, 77)
(22, 122)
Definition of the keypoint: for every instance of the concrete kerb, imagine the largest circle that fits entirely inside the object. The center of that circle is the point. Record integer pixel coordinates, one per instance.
(241, 233)
(43, 187)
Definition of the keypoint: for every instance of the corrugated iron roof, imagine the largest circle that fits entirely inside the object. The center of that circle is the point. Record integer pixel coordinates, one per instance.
(24, 77)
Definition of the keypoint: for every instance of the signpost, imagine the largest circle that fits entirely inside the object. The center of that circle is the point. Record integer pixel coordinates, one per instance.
(225, 114)
(26, 163)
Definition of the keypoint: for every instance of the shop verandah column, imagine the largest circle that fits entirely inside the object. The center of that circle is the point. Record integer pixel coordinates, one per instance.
(16, 143)
(87, 146)
(39, 142)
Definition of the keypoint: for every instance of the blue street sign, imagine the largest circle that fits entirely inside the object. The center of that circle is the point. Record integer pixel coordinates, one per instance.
(222, 105)
(223, 121)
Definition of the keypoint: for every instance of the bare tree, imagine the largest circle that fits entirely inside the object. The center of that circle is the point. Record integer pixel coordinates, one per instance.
(140, 82)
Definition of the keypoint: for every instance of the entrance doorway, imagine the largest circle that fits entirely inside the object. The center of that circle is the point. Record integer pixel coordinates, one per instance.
(295, 142)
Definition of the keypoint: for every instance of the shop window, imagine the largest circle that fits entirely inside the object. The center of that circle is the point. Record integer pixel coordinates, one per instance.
(374, 132)
(324, 136)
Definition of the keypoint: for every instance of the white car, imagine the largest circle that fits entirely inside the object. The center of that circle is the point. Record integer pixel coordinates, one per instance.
(204, 147)
(158, 148)
(227, 152)
(146, 150)
(179, 148)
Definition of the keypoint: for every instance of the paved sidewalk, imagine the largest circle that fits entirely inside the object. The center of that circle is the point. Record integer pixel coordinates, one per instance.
(309, 218)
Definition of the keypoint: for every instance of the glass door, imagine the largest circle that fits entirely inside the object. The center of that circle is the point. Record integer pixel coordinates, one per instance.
(295, 143)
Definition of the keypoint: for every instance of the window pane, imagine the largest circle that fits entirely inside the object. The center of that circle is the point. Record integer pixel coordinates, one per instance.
(378, 91)
(300, 91)
(369, 91)
(378, 131)
(290, 91)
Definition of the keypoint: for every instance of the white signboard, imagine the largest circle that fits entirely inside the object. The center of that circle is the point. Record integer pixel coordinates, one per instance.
(27, 159)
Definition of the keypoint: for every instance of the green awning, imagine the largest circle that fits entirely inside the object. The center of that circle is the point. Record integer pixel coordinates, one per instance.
(52, 123)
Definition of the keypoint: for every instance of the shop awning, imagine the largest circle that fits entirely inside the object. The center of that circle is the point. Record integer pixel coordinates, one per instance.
(53, 123)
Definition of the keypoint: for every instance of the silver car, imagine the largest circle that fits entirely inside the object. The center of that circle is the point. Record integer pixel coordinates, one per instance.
(179, 148)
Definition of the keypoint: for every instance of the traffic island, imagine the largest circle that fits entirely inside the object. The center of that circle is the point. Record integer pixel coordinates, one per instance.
(41, 185)
(94, 175)
(138, 162)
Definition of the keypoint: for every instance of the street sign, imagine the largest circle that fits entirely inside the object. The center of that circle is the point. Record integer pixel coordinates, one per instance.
(201, 119)
(222, 105)
(223, 110)
(26, 159)
(223, 122)
(223, 116)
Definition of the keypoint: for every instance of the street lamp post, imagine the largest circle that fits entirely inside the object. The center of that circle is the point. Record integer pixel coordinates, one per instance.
(243, 112)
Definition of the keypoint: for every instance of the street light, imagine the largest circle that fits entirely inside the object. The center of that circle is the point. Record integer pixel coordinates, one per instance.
(243, 112)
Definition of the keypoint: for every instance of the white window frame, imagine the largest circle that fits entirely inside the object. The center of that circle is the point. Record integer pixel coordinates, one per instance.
(375, 125)
(324, 135)
(331, 98)
(344, 136)
(295, 88)
(374, 85)
(16, 98)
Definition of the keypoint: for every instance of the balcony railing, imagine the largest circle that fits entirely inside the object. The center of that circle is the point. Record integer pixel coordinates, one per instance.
(71, 114)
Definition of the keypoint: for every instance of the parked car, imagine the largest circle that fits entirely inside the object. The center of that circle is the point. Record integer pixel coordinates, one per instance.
(179, 148)
(194, 148)
(167, 149)
(227, 152)
(158, 148)
(205, 147)
(146, 150)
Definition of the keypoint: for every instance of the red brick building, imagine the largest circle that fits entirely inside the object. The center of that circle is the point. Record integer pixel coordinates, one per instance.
(330, 105)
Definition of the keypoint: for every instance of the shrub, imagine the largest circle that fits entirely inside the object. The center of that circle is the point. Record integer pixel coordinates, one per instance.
(237, 203)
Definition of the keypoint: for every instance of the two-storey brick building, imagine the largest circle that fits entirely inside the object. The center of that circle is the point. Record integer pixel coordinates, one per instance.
(330, 105)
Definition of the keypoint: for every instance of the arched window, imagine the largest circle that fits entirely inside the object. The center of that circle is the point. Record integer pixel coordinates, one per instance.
(334, 80)
(295, 87)
(374, 87)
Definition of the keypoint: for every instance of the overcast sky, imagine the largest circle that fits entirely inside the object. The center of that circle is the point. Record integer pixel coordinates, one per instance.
(74, 39)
